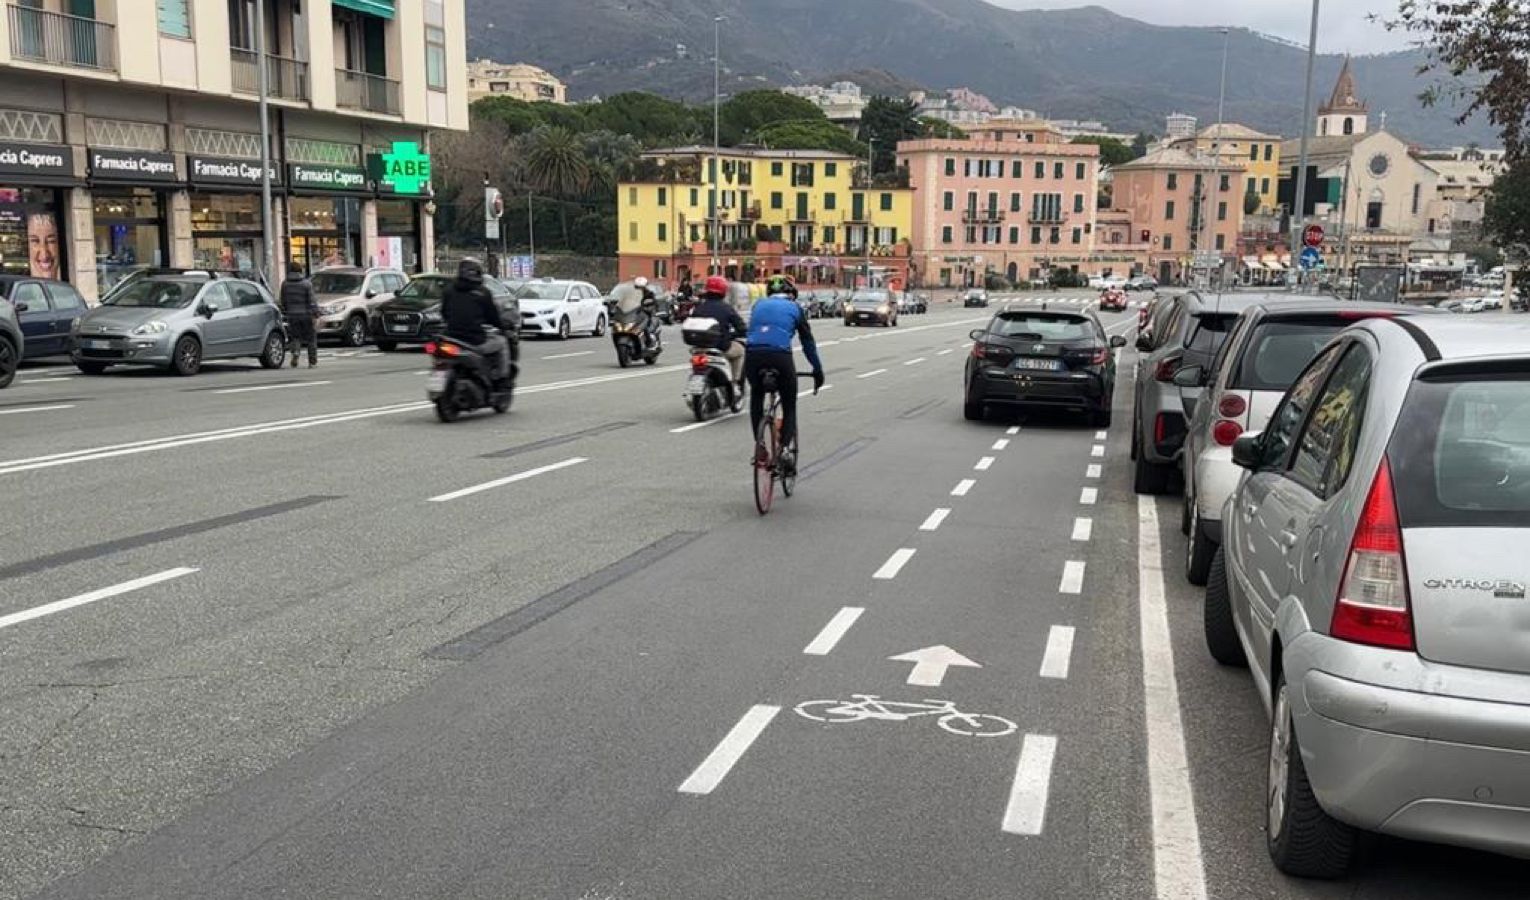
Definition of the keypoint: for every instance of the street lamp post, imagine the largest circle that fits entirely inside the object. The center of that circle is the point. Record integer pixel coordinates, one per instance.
(716, 198)
(1301, 166)
(871, 157)
(1208, 220)
(268, 244)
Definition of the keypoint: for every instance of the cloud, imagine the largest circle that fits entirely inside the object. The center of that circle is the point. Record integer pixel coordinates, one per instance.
(1344, 27)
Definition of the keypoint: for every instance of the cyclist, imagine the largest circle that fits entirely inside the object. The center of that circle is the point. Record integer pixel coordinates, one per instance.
(773, 323)
(714, 305)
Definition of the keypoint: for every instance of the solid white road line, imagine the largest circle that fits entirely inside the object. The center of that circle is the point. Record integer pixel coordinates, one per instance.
(962, 487)
(28, 409)
(1027, 809)
(54, 380)
(1088, 496)
(570, 355)
(1054, 663)
(48, 609)
(1101, 435)
(872, 374)
(721, 760)
(271, 387)
(1001, 444)
(984, 464)
(1072, 577)
(829, 637)
(1097, 451)
(501, 482)
(894, 564)
(914, 362)
(1083, 529)
(1178, 870)
(1012, 430)
(695, 425)
(1092, 472)
(936, 517)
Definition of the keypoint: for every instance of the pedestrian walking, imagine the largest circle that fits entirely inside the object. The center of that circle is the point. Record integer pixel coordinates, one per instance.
(301, 310)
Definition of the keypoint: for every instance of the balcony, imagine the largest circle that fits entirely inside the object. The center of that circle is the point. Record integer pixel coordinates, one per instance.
(286, 79)
(364, 91)
(38, 35)
(983, 217)
(1047, 219)
(803, 217)
(750, 213)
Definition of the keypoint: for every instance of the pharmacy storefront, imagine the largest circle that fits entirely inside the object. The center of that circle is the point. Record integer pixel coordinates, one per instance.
(31, 209)
(129, 196)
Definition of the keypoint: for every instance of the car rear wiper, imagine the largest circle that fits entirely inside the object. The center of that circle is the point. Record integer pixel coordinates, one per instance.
(1029, 336)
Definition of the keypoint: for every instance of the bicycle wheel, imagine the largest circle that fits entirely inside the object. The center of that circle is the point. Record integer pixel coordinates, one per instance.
(834, 712)
(976, 725)
(789, 481)
(765, 469)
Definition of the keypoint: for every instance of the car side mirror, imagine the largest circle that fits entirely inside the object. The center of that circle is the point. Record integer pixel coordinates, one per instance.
(371, 294)
(1190, 377)
(977, 334)
(1117, 341)
(1248, 451)
(204, 310)
(21, 306)
(1144, 342)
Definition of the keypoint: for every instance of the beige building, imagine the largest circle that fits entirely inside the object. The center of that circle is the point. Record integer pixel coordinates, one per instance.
(487, 78)
(129, 133)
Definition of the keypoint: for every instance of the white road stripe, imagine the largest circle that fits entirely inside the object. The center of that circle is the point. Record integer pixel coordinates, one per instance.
(1178, 869)
(1083, 529)
(829, 637)
(935, 519)
(962, 487)
(512, 479)
(1072, 577)
(721, 760)
(1001, 444)
(894, 564)
(984, 464)
(695, 425)
(872, 374)
(271, 387)
(1027, 809)
(1097, 451)
(1092, 472)
(54, 380)
(944, 352)
(1059, 653)
(1088, 496)
(48, 609)
(808, 392)
(827, 343)
(570, 355)
(914, 362)
(1101, 435)
(1012, 430)
(31, 409)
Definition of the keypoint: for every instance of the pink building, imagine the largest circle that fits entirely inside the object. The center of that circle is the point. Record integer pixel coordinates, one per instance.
(1180, 205)
(1013, 199)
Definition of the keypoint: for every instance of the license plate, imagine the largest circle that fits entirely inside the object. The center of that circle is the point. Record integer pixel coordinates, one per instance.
(437, 382)
(1044, 365)
(399, 329)
(98, 345)
(696, 386)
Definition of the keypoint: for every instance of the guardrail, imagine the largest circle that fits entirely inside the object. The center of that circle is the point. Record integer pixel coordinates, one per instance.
(286, 78)
(363, 90)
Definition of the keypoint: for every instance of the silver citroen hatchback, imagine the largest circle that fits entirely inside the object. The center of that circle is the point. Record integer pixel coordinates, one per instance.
(1373, 576)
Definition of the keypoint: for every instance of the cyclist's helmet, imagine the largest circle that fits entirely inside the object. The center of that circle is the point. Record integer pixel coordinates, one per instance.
(470, 271)
(716, 288)
(781, 285)
(640, 282)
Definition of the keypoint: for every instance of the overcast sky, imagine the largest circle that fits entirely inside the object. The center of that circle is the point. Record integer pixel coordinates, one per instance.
(1343, 27)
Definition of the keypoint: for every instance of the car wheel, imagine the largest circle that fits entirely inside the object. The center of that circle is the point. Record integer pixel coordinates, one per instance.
(1101, 418)
(1199, 552)
(275, 352)
(974, 411)
(90, 368)
(10, 360)
(1217, 615)
(563, 331)
(186, 359)
(600, 327)
(355, 333)
(387, 346)
(1304, 841)
(1184, 511)
(1150, 478)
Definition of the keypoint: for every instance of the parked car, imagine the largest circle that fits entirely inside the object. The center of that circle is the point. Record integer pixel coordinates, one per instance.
(1040, 358)
(179, 322)
(560, 308)
(871, 307)
(413, 316)
(13, 344)
(975, 298)
(45, 310)
(1268, 347)
(1184, 330)
(1473, 305)
(1374, 579)
(153, 271)
(347, 295)
(1142, 283)
(813, 303)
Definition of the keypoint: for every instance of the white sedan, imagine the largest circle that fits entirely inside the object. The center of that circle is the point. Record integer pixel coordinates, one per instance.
(561, 308)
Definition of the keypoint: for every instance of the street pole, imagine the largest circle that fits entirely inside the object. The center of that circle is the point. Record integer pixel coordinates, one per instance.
(871, 161)
(1301, 166)
(1216, 154)
(267, 240)
(716, 199)
(531, 234)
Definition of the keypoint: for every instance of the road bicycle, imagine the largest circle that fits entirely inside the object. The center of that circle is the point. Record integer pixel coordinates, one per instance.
(769, 463)
(864, 707)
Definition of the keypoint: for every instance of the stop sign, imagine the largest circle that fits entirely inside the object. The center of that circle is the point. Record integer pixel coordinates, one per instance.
(1313, 236)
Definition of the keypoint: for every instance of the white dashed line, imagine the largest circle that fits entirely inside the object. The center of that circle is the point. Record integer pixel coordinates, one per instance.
(1088, 496)
(1001, 444)
(944, 352)
(1026, 812)
(501, 482)
(984, 464)
(721, 760)
(271, 387)
(116, 590)
(1097, 451)
(1012, 430)
(829, 637)
(894, 564)
(1072, 578)
(32, 409)
(1054, 663)
(54, 380)
(1092, 472)
(570, 355)
(808, 392)
(915, 362)
(962, 487)
(1101, 435)
(936, 517)
(872, 374)
(695, 425)
(1083, 529)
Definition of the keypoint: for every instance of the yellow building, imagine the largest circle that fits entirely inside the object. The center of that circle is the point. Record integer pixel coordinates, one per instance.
(801, 212)
(1255, 153)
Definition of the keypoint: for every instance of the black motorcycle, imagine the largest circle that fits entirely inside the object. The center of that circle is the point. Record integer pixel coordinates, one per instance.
(461, 379)
(634, 340)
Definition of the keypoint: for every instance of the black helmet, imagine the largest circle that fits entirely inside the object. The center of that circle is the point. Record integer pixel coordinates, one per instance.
(470, 270)
(780, 284)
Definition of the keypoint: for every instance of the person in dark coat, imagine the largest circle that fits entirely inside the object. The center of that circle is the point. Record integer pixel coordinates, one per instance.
(469, 310)
(302, 312)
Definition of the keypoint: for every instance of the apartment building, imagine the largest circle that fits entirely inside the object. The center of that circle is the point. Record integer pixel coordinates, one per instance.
(1256, 153)
(521, 81)
(129, 133)
(1014, 199)
(1182, 207)
(807, 213)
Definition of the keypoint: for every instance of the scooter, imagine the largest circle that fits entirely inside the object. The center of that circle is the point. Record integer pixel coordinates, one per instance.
(461, 380)
(710, 389)
(633, 343)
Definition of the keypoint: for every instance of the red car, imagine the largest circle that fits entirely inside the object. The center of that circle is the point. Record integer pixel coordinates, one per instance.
(1114, 300)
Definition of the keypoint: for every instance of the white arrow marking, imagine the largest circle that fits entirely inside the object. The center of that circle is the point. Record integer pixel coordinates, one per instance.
(931, 663)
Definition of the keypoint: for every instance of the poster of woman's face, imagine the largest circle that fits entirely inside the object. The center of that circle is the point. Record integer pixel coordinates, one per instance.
(42, 244)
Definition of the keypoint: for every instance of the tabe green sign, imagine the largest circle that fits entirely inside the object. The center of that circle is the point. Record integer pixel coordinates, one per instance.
(404, 169)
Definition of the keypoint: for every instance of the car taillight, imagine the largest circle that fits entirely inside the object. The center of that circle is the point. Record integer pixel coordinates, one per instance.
(1160, 428)
(1094, 357)
(1226, 432)
(430, 349)
(1232, 406)
(1372, 606)
(979, 350)
(1166, 369)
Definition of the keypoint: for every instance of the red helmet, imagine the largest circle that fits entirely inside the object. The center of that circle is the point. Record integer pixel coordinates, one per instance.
(716, 286)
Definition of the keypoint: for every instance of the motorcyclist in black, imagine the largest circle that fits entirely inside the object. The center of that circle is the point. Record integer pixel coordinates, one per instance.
(467, 309)
(650, 313)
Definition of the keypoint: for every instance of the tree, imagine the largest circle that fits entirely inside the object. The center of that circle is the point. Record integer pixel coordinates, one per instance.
(555, 162)
(649, 119)
(940, 128)
(1506, 217)
(1112, 152)
(809, 135)
(888, 122)
(744, 115)
(1251, 203)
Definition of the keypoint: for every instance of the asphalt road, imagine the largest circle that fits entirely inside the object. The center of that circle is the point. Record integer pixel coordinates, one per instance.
(288, 656)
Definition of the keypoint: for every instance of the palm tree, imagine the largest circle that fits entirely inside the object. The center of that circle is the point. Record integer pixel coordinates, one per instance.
(555, 165)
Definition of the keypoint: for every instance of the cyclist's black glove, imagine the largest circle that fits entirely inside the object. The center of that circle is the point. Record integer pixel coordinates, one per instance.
(817, 380)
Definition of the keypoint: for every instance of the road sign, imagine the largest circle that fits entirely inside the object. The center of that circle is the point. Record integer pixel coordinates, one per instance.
(1310, 258)
(930, 664)
(493, 209)
(1312, 236)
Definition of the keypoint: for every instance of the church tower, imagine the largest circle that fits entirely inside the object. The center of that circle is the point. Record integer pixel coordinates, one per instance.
(1344, 113)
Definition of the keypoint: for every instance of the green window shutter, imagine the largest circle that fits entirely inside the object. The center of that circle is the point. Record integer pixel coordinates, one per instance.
(382, 8)
(174, 18)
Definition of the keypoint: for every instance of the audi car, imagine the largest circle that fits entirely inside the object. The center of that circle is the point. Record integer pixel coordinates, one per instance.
(1039, 358)
(413, 316)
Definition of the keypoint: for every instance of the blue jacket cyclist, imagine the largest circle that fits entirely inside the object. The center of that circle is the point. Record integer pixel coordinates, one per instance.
(773, 324)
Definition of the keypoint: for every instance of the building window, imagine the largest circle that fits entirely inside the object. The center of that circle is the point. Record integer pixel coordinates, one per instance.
(1226, 183)
(1221, 242)
(1081, 171)
(695, 233)
(945, 234)
(1056, 235)
(1253, 152)
(663, 196)
(695, 197)
(775, 169)
(632, 196)
(1041, 169)
(1222, 211)
(951, 166)
(1417, 188)
(1016, 169)
(1253, 186)
(663, 232)
(830, 170)
(174, 19)
(966, 168)
(1078, 235)
(1264, 186)
(1168, 242)
(632, 230)
(1269, 152)
(972, 234)
(1173, 181)
(775, 200)
(802, 174)
(1014, 234)
(948, 201)
(1168, 210)
(1058, 169)
(828, 235)
(830, 201)
(1014, 202)
(887, 203)
(1035, 234)
(1078, 203)
(435, 57)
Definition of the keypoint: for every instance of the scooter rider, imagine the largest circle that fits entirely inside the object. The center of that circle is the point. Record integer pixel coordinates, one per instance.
(714, 305)
(467, 308)
(650, 309)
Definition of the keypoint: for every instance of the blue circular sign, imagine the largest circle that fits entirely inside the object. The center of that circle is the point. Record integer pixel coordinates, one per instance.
(1310, 258)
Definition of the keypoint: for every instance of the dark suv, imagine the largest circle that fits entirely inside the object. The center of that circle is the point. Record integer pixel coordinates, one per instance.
(12, 344)
(1031, 358)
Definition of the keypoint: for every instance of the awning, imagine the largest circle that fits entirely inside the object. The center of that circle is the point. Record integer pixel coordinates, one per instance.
(1251, 262)
(1285, 260)
(382, 8)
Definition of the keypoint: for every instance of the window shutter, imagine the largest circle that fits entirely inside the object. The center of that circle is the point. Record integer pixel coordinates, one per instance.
(175, 18)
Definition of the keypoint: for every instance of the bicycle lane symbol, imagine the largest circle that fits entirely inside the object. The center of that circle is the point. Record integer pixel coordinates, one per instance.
(869, 707)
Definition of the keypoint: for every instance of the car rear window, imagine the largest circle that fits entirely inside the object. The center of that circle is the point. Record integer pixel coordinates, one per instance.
(1278, 351)
(1045, 328)
(1461, 452)
(1207, 332)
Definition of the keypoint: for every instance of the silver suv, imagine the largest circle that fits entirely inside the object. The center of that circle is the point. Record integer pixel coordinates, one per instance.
(347, 295)
(1374, 579)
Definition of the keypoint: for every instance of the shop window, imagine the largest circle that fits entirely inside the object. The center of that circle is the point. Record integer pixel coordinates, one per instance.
(129, 234)
(31, 239)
